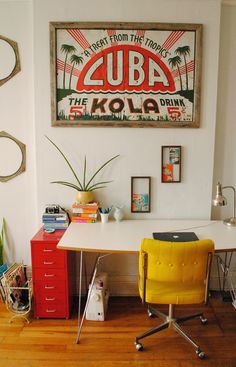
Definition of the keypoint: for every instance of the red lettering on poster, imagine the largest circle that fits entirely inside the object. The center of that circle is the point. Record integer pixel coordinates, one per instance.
(125, 68)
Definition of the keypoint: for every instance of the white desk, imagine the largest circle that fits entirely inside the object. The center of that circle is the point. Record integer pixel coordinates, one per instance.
(126, 236)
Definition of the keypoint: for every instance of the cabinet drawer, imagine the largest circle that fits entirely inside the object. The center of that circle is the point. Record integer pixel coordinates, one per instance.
(49, 274)
(49, 262)
(51, 311)
(46, 255)
(55, 299)
(49, 289)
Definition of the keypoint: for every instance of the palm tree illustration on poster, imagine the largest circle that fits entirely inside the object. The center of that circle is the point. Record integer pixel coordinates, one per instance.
(125, 74)
(176, 61)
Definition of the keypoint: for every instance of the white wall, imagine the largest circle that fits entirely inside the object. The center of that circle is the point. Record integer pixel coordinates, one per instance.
(225, 143)
(17, 196)
(140, 149)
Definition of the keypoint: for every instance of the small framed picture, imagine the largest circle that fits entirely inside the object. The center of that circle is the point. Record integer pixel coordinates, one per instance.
(140, 194)
(171, 163)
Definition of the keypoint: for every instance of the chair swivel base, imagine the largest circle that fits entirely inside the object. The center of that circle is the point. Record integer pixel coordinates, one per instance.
(171, 321)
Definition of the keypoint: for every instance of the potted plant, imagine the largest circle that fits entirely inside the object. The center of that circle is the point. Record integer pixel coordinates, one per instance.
(84, 187)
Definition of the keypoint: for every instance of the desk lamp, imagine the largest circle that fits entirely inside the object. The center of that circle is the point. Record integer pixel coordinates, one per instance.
(220, 200)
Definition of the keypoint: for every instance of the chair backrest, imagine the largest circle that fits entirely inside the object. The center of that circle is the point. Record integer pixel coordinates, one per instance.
(185, 262)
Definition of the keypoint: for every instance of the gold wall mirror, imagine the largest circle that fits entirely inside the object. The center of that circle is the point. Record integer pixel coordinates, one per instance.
(9, 59)
(12, 157)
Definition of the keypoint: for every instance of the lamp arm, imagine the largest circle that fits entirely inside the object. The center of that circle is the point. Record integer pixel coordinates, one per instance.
(231, 187)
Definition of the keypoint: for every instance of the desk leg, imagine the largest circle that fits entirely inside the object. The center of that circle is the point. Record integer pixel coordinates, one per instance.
(225, 266)
(81, 321)
(80, 292)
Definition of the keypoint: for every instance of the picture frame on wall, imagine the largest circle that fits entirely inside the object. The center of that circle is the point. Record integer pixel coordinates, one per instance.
(11, 65)
(125, 74)
(170, 163)
(140, 194)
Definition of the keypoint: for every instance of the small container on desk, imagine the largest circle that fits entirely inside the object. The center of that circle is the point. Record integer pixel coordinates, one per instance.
(53, 275)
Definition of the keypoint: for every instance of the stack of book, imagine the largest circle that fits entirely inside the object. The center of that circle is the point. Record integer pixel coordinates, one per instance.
(84, 213)
(55, 220)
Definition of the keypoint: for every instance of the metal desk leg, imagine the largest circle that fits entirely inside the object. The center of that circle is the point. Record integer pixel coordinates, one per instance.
(225, 266)
(80, 292)
(81, 321)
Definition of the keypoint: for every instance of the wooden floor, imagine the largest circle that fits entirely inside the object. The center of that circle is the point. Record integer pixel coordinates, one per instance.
(51, 343)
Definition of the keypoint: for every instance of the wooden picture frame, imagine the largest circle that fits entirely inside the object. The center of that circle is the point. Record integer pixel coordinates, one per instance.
(140, 194)
(171, 163)
(125, 74)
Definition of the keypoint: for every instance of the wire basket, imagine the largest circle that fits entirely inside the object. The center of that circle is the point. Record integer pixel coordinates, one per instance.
(18, 291)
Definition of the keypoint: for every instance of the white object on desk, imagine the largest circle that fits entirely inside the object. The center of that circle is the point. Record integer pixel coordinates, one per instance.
(104, 217)
(118, 213)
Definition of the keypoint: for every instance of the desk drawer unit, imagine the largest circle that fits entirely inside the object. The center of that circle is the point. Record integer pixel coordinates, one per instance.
(53, 274)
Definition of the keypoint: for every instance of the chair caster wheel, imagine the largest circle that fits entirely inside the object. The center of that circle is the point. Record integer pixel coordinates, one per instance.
(200, 354)
(203, 320)
(138, 346)
(150, 313)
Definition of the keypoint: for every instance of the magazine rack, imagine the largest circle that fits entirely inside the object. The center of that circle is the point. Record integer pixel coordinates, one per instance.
(18, 289)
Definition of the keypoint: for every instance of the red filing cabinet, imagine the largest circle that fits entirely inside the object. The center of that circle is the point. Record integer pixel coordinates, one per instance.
(53, 275)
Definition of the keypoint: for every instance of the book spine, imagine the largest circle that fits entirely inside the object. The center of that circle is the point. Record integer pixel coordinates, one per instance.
(83, 210)
(56, 225)
(84, 215)
(83, 220)
(54, 214)
(85, 206)
(54, 220)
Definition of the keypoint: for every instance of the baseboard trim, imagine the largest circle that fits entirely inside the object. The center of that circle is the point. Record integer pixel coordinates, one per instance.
(127, 285)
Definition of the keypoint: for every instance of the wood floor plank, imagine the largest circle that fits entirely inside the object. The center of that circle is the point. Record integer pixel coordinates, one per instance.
(51, 343)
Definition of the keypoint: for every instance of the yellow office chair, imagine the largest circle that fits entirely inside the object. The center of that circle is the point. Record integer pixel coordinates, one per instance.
(175, 274)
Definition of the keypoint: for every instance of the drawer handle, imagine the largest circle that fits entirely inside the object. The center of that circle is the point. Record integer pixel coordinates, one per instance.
(50, 311)
(50, 299)
(49, 275)
(47, 250)
(49, 287)
(48, 262)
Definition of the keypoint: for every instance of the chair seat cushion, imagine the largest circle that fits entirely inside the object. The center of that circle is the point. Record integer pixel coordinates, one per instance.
(174, 293)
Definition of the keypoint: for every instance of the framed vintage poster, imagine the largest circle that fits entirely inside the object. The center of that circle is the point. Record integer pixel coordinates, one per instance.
(171, 163)
(125, 74)
(140, 194)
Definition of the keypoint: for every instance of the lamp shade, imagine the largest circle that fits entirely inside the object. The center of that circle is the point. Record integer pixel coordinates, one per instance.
(220, 199)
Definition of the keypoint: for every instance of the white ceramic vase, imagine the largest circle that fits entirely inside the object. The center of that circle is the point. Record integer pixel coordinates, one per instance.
(118, 213)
